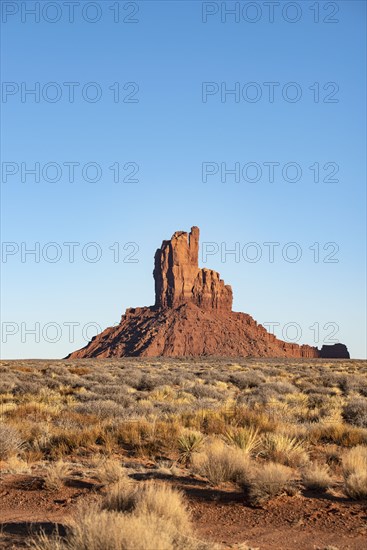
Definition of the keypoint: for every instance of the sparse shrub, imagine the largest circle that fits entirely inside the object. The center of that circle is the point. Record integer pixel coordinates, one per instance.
(149, 382)
(219, 463)
(351, 382)
(131, 378)
(267, 481)
(10, 441)
(355, 460)
(355, 412)
(24, 387)
(332, 456)
(121, 497)
(355, 485)
(165, 502)
(286, 450)
(79, 370)
(244, 380)
(150, 497)
(55, 475)
(204, 390)
(101, 408)
(281, 388)
(354, 463)
(256, 419)
(15, 465)
(189, 442)
(96, 529)
(167, 468)
(111, 471)
(115, 392)
(316, 477)
(64, 441)
(337, 433)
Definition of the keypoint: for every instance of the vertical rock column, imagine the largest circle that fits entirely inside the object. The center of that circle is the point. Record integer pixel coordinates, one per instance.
(179, 280)
(175, 269)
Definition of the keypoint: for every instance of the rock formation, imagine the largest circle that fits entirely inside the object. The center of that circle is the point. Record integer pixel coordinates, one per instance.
(179, 280)
(192, 316)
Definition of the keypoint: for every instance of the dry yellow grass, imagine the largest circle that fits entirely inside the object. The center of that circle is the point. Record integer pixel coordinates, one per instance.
(284, 449)
(110, 471)
(55, 476)
(355, 472)
(219, 463)
(217, 418)
(159, 519)
(267, 481)
(316, 477)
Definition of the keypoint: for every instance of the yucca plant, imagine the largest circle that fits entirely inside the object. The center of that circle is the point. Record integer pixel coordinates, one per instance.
(284, 449)
(188, 443)
(246, 439)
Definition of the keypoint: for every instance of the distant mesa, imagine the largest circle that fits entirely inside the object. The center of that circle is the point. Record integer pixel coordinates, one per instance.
(192, 316)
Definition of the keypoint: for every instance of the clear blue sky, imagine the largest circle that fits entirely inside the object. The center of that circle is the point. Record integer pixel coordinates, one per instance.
(169, 133)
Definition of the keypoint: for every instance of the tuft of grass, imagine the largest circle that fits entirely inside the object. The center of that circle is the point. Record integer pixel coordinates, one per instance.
(355, 412)
(354, 464)
(165, 502)
(220, 463)
(55, 475)
(355, 460)
(102, 530)
(10, 441)
(167, 468)
(15, 465)
(159, 520)
(267, 482)
(121, 497)
(110, 471)
(337, 433)
(316, 477)
(355, 486)
(147, 498)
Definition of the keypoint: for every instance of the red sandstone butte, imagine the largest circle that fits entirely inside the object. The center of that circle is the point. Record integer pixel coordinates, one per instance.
(192, 316)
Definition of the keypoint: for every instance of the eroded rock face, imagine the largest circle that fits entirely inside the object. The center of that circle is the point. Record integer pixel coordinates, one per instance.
(192, 316)
(179, 280)
(335, 351)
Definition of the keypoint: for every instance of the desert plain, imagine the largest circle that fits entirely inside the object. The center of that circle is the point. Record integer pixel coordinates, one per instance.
(170, 453)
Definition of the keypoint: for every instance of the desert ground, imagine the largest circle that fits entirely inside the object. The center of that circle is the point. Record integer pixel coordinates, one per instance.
(171, 454)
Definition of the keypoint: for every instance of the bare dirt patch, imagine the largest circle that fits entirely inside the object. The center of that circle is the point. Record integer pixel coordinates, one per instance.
(311, 521)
